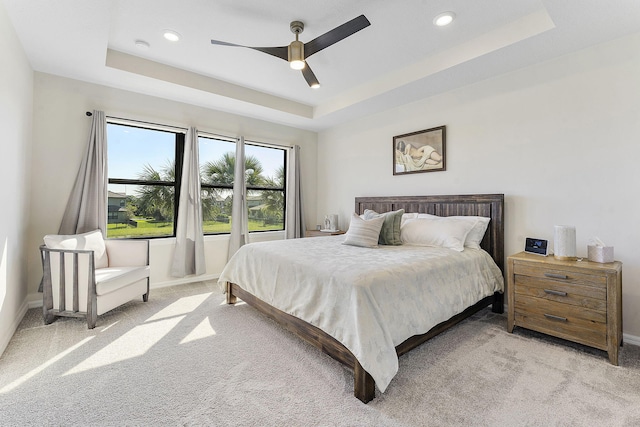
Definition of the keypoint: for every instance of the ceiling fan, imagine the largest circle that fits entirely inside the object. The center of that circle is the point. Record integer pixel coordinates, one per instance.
(297, 52)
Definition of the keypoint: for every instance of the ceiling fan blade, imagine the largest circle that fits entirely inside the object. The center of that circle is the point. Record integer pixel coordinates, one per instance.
(335, 35)
(311, 79)
(279, 51)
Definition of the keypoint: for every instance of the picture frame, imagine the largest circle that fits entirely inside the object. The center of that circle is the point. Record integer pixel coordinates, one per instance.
(421, 151)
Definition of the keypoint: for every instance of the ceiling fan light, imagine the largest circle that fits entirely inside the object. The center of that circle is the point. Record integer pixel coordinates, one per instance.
(444, 19)
(296, 55)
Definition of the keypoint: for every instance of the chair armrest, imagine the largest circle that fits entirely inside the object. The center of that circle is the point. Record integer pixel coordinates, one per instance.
(44, 248)
(88, 255)
(46, 252)
(68, 281)
(127, 253)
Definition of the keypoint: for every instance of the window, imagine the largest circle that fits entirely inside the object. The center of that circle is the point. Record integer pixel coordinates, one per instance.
(265, 176)
(142, 180)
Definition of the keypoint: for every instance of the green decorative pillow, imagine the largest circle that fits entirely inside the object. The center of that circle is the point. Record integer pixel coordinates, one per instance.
(390, 232)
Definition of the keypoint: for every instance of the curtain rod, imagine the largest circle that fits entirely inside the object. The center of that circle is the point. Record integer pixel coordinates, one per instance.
(89, 114)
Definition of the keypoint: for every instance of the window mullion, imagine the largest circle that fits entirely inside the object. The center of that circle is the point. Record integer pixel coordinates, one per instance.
(180, 138)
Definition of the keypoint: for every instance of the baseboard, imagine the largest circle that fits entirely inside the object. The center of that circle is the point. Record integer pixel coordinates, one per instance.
(185, 280)
(7, 334)
(34, 300)
(631, 339)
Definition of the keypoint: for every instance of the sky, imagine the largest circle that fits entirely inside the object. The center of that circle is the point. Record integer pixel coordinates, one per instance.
(130, 149)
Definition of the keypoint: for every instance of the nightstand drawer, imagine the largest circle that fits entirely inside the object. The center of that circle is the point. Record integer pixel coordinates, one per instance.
(559, 274)
(576, 324)
(566, 293)
(551, 309)
(587, 336)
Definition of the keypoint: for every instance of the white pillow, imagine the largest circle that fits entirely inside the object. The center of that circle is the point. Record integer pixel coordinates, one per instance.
(91, 240)
(444, 232)
(406, 216)
(475, 236)
(363, 232)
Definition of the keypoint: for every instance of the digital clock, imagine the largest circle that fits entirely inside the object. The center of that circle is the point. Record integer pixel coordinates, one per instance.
(536, 246)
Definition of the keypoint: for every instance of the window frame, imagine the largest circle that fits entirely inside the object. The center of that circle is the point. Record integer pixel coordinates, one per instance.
(180, 136)
(250, 188)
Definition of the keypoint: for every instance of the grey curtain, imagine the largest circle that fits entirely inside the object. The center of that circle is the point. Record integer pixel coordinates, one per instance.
(87, 205)
(239, 216)
(294, 224)
(188, 257)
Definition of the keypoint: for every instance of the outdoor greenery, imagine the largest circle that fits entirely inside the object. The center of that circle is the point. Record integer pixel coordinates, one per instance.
(166, 228)
(150, 211)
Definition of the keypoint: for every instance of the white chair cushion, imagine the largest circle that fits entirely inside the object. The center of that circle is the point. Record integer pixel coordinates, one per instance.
(114, 278)
(91, 240)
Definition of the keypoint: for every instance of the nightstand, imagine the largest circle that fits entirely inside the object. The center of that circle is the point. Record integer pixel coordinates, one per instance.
(579, 301)
(318, 233)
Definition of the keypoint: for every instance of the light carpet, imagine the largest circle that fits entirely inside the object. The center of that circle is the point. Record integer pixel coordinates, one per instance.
(186, 358)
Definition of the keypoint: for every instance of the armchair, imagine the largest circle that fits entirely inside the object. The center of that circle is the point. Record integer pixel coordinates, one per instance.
(86, 275)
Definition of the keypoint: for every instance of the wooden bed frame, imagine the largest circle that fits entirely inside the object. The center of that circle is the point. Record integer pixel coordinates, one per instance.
(487, 205)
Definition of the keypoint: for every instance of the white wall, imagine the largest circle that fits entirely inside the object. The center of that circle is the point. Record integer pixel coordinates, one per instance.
(16, 104)
(61, 130)
(560, 139)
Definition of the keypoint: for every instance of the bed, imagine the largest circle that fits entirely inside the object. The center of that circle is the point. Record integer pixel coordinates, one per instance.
(367, 317)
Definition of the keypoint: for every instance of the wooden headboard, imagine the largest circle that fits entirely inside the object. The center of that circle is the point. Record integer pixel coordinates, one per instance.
(487, 205)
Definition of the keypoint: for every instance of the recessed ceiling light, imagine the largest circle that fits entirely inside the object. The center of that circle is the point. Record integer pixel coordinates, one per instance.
(142, 45)
(171, 35)
(444, 19)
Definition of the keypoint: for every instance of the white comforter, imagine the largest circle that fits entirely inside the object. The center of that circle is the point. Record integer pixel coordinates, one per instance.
(369, 299)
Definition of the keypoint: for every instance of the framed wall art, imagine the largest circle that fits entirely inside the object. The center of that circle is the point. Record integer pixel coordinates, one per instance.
(422, 151)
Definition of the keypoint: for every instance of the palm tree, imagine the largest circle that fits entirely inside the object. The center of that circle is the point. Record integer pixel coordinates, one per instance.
(156, 200)
(222, 171)
(274, 199)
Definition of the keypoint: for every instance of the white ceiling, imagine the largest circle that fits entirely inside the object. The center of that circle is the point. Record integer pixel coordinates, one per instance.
(400, 58)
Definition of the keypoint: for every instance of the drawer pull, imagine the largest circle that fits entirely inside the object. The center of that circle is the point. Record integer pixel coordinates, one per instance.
(556, 276)
(552, 317)
(558, 293)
